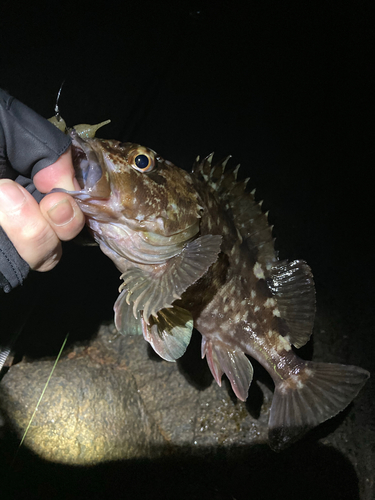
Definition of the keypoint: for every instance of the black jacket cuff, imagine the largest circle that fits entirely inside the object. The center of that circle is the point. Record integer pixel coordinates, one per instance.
(13, 268)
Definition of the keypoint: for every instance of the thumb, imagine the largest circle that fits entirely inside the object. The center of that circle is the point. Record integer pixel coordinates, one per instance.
(59, 174)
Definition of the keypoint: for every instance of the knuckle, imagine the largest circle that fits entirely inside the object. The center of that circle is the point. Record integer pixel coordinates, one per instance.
(37, 231)
(48, 261)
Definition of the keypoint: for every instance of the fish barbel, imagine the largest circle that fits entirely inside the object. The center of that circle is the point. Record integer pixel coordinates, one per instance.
(196, 250)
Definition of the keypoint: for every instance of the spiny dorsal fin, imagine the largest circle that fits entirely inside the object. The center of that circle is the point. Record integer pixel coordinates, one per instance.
(293, 286)
(247, 214)
(203, 167)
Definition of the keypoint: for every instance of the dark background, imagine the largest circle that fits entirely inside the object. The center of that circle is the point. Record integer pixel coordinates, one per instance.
(286, 88)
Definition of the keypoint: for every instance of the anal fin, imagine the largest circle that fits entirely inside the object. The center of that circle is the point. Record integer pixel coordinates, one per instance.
(233, 362)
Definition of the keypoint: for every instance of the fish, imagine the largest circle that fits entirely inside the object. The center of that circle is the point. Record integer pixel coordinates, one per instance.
(195, 250)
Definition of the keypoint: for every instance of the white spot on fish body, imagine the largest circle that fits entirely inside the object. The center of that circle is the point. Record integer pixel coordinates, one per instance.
(253, 326)
(276, 312)
(270, 303)
(253, 294)
(292, 382)
(282, 344)
(256, 308)
(244, 317)
(258, 271)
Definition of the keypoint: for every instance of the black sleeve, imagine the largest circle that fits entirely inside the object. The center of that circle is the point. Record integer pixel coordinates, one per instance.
(13, 268)
(28, 143)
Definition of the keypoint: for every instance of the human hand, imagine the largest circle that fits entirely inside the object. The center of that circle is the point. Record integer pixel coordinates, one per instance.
(35, 230)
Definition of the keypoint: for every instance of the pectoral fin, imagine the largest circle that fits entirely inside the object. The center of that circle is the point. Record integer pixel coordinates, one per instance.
(125, 321)
(157, 288)
(169, 333)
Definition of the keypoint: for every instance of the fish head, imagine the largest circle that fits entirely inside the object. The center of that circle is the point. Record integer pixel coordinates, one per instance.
(129, 181)
(131, 186)
(144, 186)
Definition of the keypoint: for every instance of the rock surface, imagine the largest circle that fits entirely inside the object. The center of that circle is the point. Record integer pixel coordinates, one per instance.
(110, 401)
(115, 417)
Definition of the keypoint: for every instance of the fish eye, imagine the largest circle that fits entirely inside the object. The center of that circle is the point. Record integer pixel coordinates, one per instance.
(143, 160)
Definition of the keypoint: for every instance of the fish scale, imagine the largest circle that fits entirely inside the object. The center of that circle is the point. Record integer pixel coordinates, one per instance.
(196, 250)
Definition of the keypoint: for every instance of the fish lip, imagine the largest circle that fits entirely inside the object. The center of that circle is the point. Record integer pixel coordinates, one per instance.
(86, 163)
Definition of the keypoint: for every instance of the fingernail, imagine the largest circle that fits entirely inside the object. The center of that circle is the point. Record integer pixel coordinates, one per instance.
(61, 213)
(11, 197)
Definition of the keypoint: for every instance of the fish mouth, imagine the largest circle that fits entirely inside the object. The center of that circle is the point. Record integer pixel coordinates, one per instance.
(85, 162)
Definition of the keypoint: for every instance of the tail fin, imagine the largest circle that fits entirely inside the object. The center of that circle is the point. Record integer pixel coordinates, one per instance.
(318, 393)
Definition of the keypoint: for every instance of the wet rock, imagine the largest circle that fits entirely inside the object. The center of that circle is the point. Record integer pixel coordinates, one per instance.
(115, 400)
(90, 412)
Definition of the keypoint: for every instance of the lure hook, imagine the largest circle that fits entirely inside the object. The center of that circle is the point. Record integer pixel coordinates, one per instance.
(57, 111)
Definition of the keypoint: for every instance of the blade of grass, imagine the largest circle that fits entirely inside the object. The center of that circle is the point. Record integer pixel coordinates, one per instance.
(41, 397)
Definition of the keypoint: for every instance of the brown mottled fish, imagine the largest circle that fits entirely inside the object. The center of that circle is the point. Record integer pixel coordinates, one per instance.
(196, 250)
